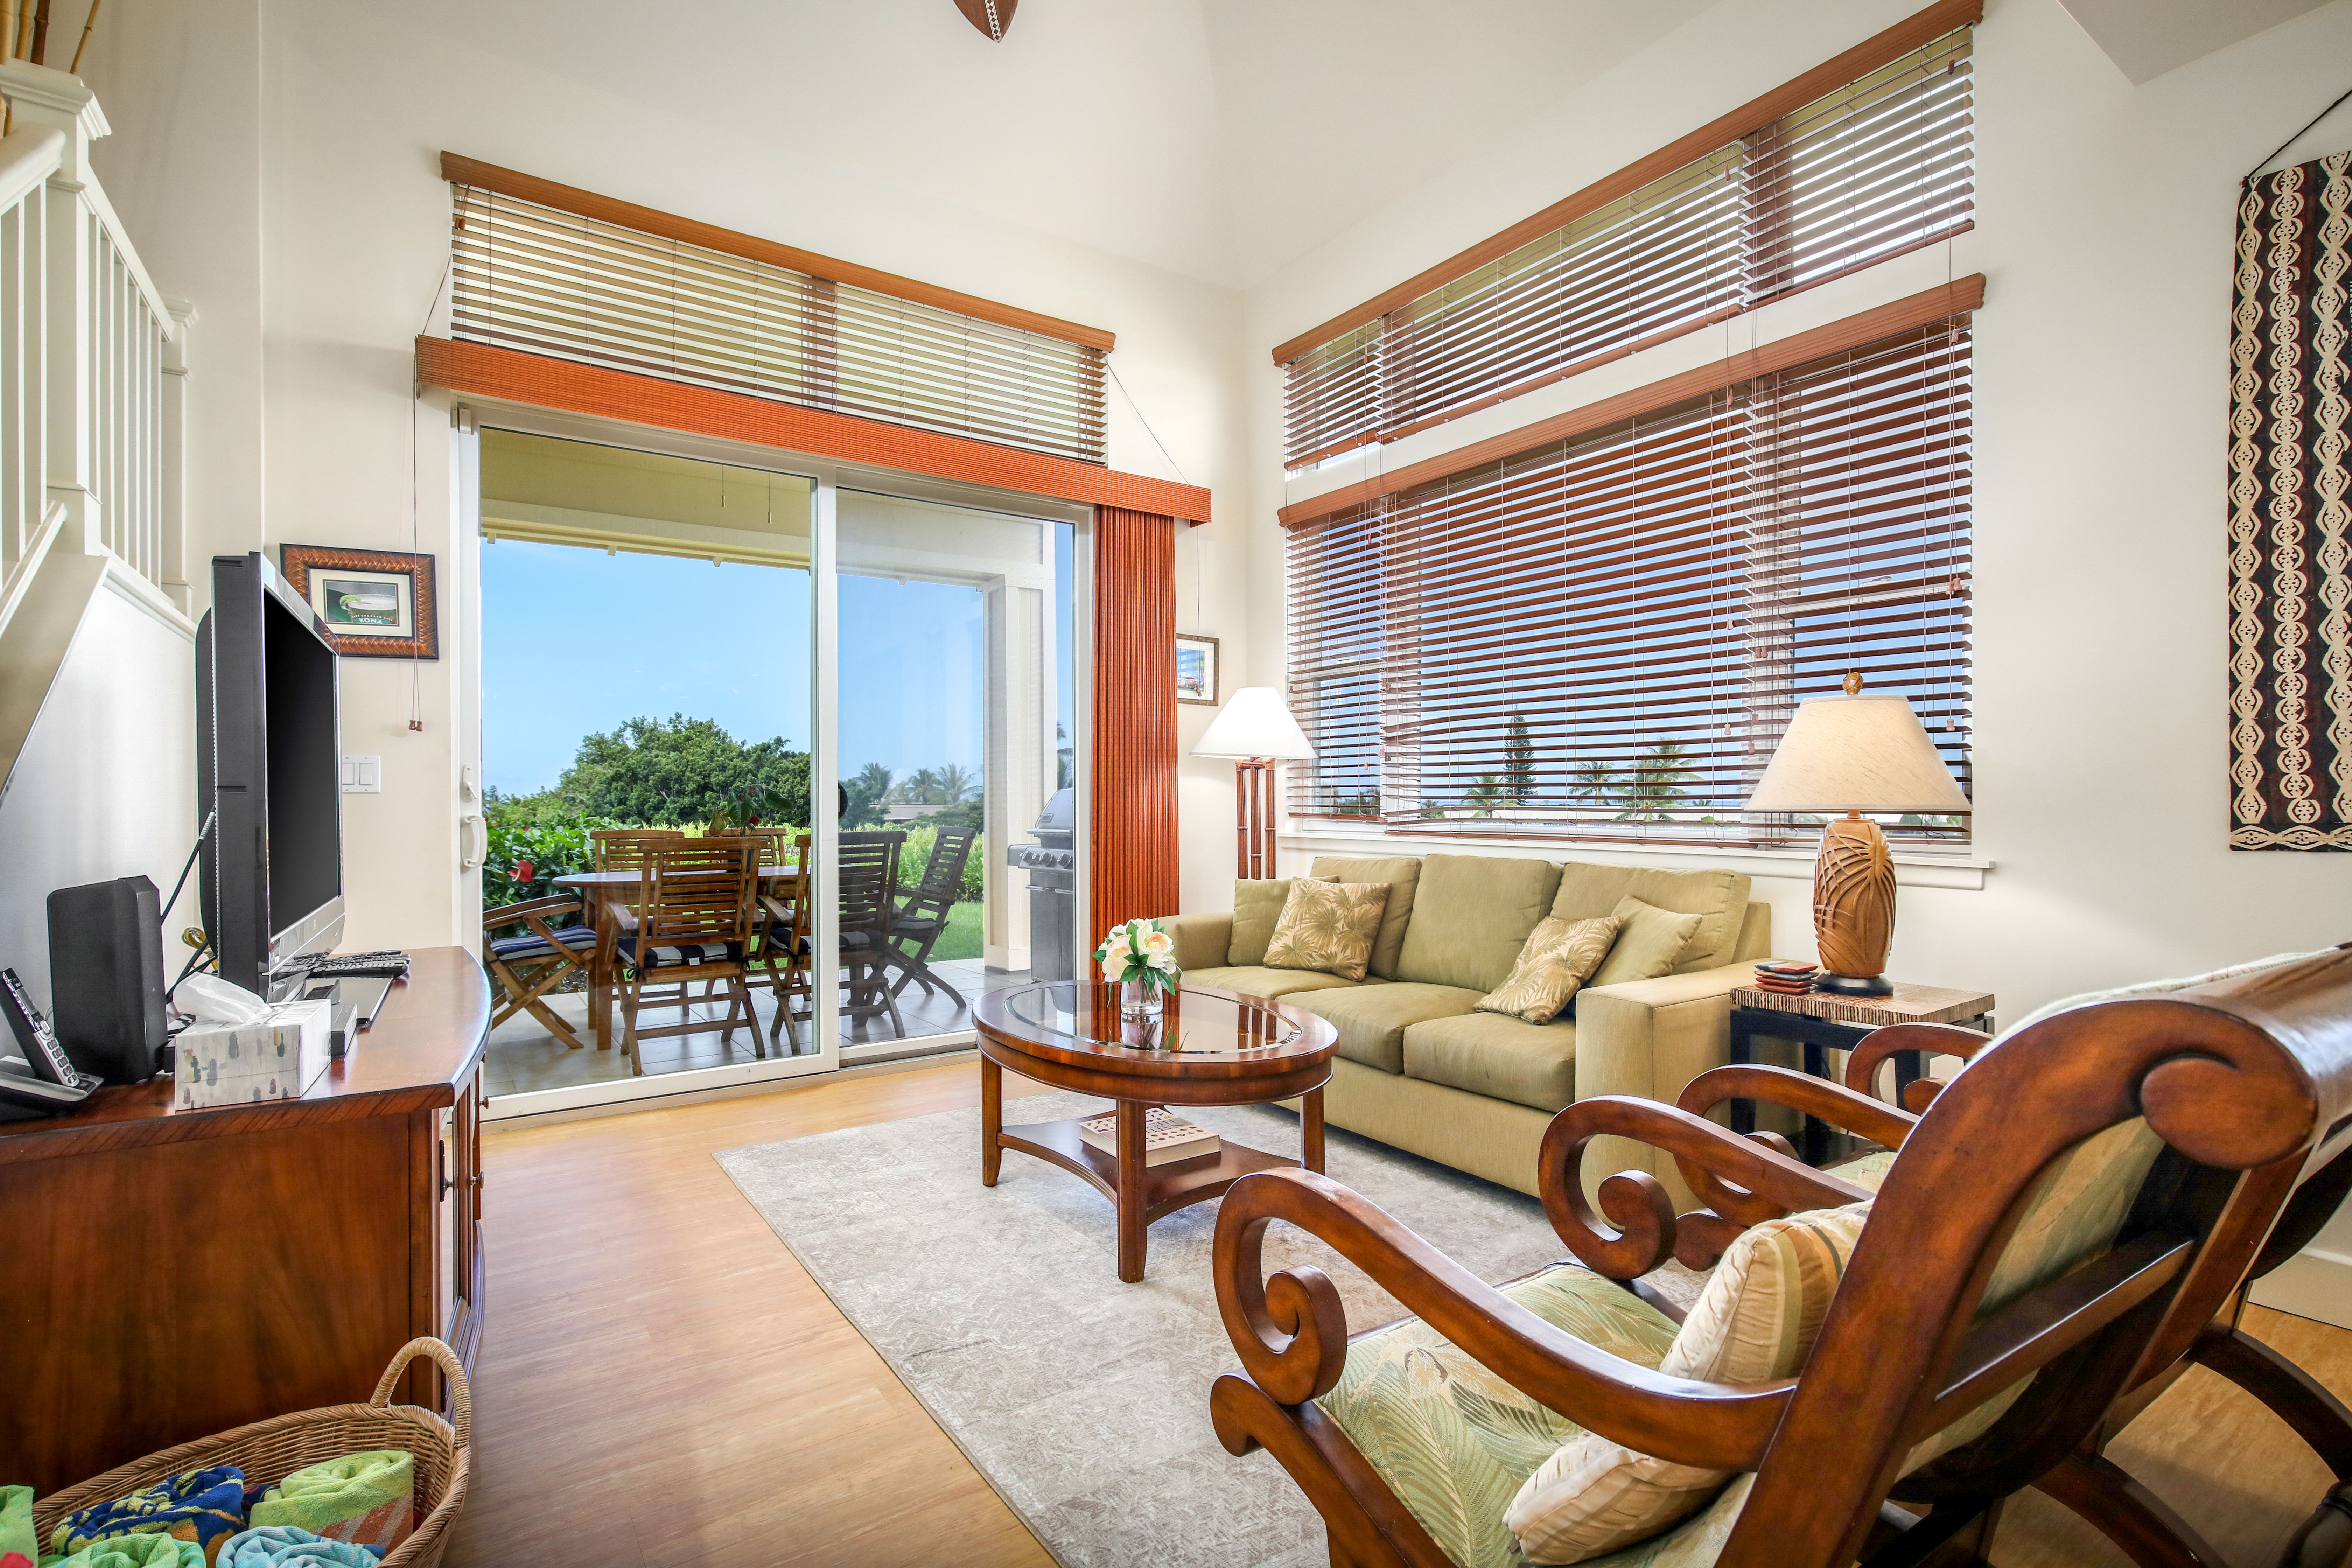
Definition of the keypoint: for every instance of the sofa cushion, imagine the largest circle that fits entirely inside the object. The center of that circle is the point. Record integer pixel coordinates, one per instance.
(1371, 1018)
(1721, 897)
(1403, 874)
(1328, 926)
(1559, 956)
(1255, 980)
(1471, 915)
(1256, 907)
(1650, 942)
(1497, 1055)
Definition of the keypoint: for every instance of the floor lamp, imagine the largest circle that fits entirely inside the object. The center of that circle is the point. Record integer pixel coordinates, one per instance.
(1256, 731)
(1855, 754)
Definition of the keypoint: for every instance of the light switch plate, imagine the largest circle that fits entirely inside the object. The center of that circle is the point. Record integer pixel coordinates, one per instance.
(362, 775)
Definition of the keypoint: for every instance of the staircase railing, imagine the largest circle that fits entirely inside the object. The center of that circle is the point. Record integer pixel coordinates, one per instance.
(92, 355)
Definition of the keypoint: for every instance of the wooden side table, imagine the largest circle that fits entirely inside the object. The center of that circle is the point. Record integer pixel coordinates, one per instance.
(1822, 1023)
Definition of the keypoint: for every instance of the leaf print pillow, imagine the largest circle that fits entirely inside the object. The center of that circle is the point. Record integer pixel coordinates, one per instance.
(1328, 926)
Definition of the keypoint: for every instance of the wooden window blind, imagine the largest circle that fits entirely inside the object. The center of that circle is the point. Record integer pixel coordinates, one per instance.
(1881, 165)
(550, 281)
(1603, 637)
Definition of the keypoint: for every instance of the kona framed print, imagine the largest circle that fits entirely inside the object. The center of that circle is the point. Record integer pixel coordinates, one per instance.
(376, 604)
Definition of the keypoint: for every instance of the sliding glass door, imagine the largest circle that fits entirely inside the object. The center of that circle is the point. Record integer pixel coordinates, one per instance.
(873, 678)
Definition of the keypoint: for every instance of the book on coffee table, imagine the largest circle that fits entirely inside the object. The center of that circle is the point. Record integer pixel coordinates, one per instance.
(1167, 1137)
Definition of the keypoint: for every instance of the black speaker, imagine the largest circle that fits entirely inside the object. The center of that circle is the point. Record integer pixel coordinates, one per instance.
(106, 977)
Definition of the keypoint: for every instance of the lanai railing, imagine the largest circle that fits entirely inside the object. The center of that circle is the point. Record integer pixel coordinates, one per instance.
(92, 358)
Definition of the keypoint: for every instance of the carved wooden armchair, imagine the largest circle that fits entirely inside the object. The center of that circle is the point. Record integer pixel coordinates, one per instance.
(2239, 1084)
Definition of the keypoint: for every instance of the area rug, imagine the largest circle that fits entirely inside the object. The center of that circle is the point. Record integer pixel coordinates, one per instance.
(1084, 1401)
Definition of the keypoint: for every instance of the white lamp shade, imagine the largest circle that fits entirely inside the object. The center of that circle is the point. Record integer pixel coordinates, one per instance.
(1255, 723)
(1857, 753)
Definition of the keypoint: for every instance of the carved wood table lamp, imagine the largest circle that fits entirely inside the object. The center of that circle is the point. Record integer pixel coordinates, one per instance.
(1255, 729)
(1855, 754)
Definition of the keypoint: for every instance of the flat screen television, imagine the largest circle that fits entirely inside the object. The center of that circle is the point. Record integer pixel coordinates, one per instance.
(269, 762)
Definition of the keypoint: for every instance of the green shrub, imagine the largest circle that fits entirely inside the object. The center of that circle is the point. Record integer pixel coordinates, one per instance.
(915, 859)
(529, 831)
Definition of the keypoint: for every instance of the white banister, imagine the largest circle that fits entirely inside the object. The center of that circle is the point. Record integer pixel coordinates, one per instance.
(100, 427)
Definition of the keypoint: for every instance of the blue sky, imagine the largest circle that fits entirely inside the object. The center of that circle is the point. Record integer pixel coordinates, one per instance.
(575, 641)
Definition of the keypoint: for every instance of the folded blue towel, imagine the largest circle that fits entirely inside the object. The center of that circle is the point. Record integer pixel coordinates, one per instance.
(200, 1507)
(283, 1546)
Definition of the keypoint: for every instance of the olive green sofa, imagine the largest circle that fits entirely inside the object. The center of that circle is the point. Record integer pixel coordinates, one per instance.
(1420, 1070)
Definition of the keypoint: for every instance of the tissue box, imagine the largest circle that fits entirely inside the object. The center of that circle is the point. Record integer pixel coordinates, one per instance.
(234, 1063)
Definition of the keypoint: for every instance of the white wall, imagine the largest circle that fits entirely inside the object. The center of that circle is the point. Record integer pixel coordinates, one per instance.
(2103, 225)
(106, 786)
(307, 187)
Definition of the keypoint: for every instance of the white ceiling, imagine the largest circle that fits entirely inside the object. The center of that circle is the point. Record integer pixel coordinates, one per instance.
(1218, 138)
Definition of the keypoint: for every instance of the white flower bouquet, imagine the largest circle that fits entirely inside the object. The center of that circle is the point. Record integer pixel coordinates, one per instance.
(1142, 951)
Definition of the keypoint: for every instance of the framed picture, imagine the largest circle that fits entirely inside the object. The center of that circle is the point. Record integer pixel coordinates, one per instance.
(1196, 671)
(376, 604)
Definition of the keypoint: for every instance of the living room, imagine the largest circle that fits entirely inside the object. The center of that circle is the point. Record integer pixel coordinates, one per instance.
(1836, 438)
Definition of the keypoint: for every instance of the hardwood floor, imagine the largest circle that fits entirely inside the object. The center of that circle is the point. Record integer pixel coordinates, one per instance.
(662, 1384)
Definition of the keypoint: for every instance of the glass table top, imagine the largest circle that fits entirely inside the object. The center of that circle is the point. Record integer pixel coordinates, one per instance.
(1192, 1022)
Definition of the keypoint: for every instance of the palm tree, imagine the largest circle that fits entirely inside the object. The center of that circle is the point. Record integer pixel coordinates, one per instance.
(1520, 762)
(1594, 783)
(955, 785)
(1487, 792)
(1651, 788)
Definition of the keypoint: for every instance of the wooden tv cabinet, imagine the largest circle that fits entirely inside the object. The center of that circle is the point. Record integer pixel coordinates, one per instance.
(170, 1274)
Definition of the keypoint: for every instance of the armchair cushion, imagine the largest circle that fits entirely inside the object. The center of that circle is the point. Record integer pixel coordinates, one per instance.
(1452, 1439)
(1754, 1322)
(1497, 1055)
(1403, 874)
(1257, 907)
(1372, 1018)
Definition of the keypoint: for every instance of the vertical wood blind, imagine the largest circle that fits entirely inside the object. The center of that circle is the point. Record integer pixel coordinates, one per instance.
(554, 282)
(1134, 783)
(1605, 638)
(1878, 167)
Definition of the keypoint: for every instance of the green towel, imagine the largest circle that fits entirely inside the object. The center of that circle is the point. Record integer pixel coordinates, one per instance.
(361, 1498)
(19, 1547)
(144, 1550)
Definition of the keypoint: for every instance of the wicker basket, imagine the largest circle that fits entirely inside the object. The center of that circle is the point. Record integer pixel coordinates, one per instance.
(276, 1448)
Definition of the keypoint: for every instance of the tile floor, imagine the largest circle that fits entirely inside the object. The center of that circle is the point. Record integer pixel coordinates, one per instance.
(523, 1056)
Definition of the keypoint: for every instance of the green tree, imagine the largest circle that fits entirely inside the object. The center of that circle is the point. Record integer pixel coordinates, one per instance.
(1652, 787)
(1594, 783)
(685, 770)
(1519, 763)
(867, 792)
(1487, 792)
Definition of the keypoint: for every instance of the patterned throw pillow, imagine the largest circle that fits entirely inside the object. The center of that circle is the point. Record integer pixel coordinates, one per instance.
(1559, 956)
(1754, 1322)
(1328, 926)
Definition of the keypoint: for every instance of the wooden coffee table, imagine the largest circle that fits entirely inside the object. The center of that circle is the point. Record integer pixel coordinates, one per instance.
(1210, 1047)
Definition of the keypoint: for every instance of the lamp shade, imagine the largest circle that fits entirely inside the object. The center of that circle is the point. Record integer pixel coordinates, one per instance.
(1857, 753)
(1255, 723)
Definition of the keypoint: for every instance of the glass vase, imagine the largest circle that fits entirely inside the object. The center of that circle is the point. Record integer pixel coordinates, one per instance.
(1140, 1001)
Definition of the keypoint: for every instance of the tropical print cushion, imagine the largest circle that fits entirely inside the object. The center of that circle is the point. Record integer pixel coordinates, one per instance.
(1754, 1322)
(1328, 926)
(1452, 1439)
(1559, 956)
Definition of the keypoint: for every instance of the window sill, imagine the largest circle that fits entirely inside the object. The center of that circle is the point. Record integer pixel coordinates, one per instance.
(1913, 868)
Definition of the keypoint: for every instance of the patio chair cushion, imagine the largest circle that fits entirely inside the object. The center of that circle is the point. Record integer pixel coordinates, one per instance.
(530, 944)
(680, 954)
(1453, 1440)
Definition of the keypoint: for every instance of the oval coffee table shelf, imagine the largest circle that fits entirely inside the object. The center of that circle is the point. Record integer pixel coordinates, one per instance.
(1210, 1047)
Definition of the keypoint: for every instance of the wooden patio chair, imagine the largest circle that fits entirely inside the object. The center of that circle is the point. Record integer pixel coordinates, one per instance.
(2063, 1213)
(922, 918)
(868, 882)
(690, 919)
(625, 848)
(524, 968)
(784, 930)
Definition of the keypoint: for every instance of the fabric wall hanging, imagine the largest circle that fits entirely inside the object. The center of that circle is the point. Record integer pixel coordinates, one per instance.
(2291, 511)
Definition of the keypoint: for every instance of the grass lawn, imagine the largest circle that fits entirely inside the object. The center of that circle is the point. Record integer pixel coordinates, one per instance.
(962, 937)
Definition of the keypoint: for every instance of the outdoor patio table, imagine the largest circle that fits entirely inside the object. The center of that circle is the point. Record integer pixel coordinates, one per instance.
(596, 887)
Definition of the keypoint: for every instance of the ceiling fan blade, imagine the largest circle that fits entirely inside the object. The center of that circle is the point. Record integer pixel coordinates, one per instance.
(991, 16)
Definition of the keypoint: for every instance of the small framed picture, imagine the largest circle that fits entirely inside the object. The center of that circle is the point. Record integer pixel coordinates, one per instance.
(376, 604)
(1196, 671)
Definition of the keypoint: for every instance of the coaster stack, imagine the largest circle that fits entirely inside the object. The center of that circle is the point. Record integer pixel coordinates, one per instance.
(1787, 978)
